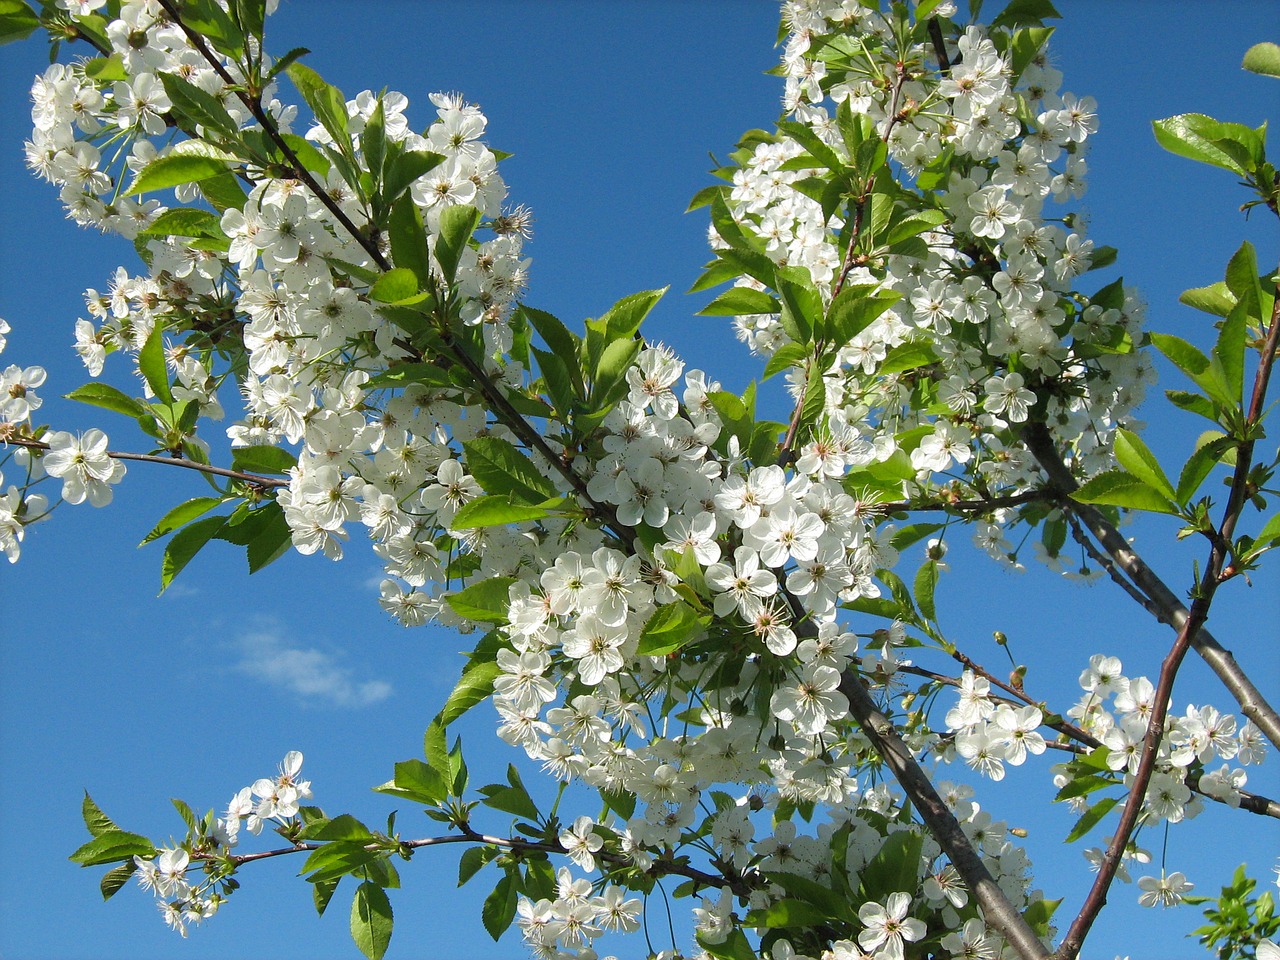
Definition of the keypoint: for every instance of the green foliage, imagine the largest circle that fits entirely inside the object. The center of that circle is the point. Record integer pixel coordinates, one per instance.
(1237, 920)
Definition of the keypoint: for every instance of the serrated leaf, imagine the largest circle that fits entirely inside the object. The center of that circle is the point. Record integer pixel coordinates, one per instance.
(500, 468)
(152, 364)
(908, 356)
(669, 628)
(336, 859)
(1091, 818)
(1215, 299)
(1082, 786)
(95, 820)
(186, 543)
(509, 800)
(399, 285)
(343, 827)
(436, 749)
(623, 319)
(113, 846)
(404, 170)
(802, 309)
(116, 877)
(457, 224)
(198, 106)
(371, 920)
(263, 459)
(1136, 457)
(17, 21)
(925, 585)
(499, 907)
(740, 301)
(185, 222)
(1198, 137)
(109, 398)
(1263, 58)
(476, 685)
(174, 171)
(473, 859)
(498, 511)
(326, 102)
(322, 893)
(420, 779)
(786, 913)
(180, 516)
(1117, 488)
(822, 898)
(1209, 451)
(271, 541)
(486, 601)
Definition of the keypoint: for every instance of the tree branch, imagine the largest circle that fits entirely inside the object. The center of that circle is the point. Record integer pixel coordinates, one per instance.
(1164, 604)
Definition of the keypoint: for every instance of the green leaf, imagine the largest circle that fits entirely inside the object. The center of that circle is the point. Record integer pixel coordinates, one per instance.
(113, 846)
(908, 356)
(497, 511)
(396, 286)
(500, 468)
(473, 858)
(1269, 533)
(403, 170)
(1201, 138)
(623, 319)
(322, 893)
(786, 913)
(895, 867)
(740, 301)
(1082, 786)
(371, 920)
(343, 827)
(209, 19)
(500, 907)
(436, 749)
(271, 541)
(486, 601)
(457, 224)
(198, 106)
(409, 240)
(109, 398)
(185, 222)
(784, 358)
(1195, 365)
(416, 781)
(670, 627)
(1091, 818)
(263, 459)
(1263, 58)
(474, 686)
(152, 364)
(509, 800)
(822, 898)
(1039, 914)
(802, 307)
(854, 309)
(1117, 488)
(95, 820)
(174, 171)
(1026, 13)
(337, 859)
(180, 516)
(1210, 449)
(734, 947)
(326, 102)
(17, 21)
(1027, 42)
(1215, 299)
(115, 878)
(186, 543)
(745, 252)
(925, 585)
(1137, 458)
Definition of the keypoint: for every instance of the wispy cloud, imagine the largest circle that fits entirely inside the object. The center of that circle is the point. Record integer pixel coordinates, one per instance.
(308, 672)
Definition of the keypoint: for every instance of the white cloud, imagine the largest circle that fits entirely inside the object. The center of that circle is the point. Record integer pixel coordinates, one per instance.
(310, 673)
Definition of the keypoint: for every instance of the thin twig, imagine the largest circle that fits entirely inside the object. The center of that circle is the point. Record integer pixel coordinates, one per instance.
(252, 479)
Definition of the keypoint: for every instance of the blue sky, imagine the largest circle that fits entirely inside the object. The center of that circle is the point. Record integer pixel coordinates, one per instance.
(610, 110)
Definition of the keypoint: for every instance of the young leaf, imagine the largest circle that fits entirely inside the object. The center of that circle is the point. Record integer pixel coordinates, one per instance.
(473, 858)
(180, 516)
(500, 907)
(1263, 58)
(395, 286)
(1137, 458)
(498, 511)
(271, 460)
(1091, 818)
(17, 21)
(112, 847)
(116, 877)
(95, 820)
(109, 398)
(500, 468)
(186, 543)
(926, 584)
(670, 627)
(152, 363)
(740, 301)
(1119, 489)
(476, 685)
(371, 920)
(457, 223)
(623, 319)
(326, 102)
(1197, 137)
(173, 171)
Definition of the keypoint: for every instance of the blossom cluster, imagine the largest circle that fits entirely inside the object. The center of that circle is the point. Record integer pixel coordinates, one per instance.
(184, 898)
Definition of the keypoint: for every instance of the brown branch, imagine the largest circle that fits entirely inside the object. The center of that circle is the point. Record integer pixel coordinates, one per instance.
(1164, 603)
(1219, 554)
(983, 505)
(252, 479)
(739, 884)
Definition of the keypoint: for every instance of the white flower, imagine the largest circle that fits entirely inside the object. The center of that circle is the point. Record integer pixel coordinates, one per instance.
(83, 465)
(888, 926)
(1167, 891)
(581, 843)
